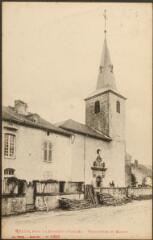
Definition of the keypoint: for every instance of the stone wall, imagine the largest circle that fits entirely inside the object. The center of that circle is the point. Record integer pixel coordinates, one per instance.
(117, 193)
(139, 192)
(116, 120)
(130, 192)
(17, 204)
(52, 202)
(100, 120)
(46, 202)
(13, 205)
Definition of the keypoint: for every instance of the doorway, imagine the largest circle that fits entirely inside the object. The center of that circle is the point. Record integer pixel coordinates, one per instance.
(30, 197)
(98, 181)
(61, 186)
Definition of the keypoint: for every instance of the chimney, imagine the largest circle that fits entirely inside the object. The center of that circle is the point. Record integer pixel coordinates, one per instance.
(21, 107)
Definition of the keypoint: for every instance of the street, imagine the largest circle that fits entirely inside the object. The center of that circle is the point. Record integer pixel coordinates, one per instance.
(132, 220)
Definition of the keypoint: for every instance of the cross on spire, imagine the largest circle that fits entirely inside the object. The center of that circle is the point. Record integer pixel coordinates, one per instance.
(105, 17)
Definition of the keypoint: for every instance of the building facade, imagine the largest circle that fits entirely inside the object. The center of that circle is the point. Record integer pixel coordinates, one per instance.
(35, 149)
(30, 148)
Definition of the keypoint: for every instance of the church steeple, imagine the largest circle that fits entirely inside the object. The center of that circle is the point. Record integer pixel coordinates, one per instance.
(105, 106)
(105, 113)
(106, 77)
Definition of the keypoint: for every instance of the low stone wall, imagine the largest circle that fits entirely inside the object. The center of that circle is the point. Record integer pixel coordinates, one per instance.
(17, 204)
(139, 192)
(46, 202)
(131, 192)
(74, 196)
(13, 205)
(52, 202)
(117, 193)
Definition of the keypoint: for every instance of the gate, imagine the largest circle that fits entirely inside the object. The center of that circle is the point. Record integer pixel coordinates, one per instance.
(30, 197)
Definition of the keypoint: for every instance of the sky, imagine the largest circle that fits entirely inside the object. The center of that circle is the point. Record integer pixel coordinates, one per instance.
(51, 54)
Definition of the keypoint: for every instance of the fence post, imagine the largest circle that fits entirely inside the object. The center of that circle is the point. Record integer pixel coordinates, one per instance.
(127, 194)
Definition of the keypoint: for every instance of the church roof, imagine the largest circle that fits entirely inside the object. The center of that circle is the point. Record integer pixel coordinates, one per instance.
(104, 90)
(76, 127)
(106, 77)
(9, 114)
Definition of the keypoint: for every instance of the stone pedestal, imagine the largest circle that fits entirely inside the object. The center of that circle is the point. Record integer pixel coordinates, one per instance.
(98, 173)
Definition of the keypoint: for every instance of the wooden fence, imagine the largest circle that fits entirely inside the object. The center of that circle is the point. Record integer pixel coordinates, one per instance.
(53, 187)
(13, 186)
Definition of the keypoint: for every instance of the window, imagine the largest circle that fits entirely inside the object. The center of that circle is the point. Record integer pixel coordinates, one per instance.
(97, 107)
(9, 145)
(47, 152)
(118, 106)
(9, 171)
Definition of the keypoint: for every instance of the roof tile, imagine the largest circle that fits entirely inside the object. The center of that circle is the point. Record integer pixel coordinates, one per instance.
(9, 114)
(73, 126)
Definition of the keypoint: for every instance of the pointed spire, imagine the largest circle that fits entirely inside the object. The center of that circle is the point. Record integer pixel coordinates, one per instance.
(106, 77)
(105, 58)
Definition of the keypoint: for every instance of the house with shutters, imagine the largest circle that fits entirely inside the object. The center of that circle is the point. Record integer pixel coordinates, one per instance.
(35, 149)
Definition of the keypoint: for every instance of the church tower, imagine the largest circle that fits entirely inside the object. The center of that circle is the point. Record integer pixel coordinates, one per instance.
(105, 107)
(105, 113)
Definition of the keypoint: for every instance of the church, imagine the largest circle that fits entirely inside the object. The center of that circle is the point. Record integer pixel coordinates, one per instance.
(35, 149)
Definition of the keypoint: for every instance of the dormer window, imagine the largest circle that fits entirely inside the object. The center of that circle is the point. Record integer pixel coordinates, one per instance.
(97, 107)
(33, 117)
(118, 106)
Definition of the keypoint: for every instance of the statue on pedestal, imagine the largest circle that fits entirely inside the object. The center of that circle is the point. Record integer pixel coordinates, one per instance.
(99, 161)
(98, 170)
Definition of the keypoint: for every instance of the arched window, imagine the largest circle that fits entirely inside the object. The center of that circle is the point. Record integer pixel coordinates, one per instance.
(118, 106)
(97, 107)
